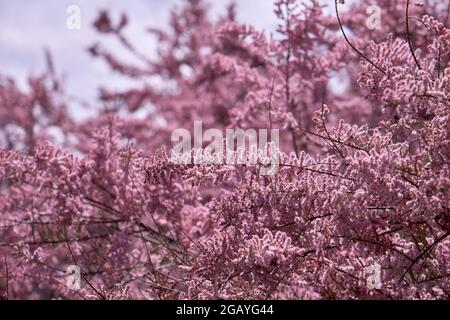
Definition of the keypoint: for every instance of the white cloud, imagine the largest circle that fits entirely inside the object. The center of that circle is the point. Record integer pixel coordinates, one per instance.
(26, 27)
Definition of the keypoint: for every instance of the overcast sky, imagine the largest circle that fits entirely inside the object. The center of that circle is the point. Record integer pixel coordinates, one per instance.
(26, 27)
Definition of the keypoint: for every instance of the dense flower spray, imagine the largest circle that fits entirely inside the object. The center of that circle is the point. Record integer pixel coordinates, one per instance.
(364, 177)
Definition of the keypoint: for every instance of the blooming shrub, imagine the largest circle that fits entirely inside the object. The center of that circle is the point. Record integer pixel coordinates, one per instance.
(364, 173)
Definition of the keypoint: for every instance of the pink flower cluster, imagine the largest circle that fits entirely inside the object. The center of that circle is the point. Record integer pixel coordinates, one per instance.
(364, 177)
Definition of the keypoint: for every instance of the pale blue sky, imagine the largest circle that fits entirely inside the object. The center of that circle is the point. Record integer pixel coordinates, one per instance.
(26, 27)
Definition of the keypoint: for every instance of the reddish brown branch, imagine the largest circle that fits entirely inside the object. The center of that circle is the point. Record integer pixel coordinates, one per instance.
(408, 36)
(350, 44)
(423, 253)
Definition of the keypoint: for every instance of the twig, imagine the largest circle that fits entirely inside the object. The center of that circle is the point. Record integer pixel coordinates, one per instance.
(424, 252)
(7, 277)
(317, 171)
(270, 97)
(350, 44)
(328, 134)
(85, 279)
(408, 36)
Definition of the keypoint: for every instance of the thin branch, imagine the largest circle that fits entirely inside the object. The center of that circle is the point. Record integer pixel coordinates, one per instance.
(270, 97)
(448, 13)
(411, 182)
(328, 134)
(317, 171)
(85, 279)
(377, 243)
(7, 277)
(424, 252)
(408, 36)
(350, 44)
(334, 140)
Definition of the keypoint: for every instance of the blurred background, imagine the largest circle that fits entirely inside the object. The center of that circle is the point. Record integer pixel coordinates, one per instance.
(28, 27)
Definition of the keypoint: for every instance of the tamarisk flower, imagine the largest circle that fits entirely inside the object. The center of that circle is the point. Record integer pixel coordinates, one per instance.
(363, 179)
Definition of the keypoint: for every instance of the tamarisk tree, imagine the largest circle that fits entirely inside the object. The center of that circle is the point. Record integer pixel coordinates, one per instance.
(363, 181)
